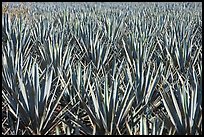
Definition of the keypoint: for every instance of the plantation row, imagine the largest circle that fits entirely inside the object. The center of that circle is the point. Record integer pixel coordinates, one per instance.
(100, 70)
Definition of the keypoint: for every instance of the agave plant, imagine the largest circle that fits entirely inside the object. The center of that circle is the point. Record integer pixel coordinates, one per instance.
(184, 98)
(33, 102)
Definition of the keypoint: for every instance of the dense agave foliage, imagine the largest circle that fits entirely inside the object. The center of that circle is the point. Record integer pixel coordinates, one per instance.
(102, 68)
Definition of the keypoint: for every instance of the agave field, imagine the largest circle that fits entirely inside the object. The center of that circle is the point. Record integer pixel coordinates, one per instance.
(102, 68)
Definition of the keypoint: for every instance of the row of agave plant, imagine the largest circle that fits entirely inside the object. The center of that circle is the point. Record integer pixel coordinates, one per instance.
(106, 72)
